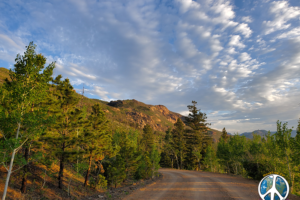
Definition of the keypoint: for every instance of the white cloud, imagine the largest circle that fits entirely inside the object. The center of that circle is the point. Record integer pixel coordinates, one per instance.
(247, 19)
(101, 93)
(235, 41)
(244, 29)
(282, 13)
(290, 34)
(244, 57)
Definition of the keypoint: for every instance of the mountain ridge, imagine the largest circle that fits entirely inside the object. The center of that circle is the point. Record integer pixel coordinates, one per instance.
(261, 133)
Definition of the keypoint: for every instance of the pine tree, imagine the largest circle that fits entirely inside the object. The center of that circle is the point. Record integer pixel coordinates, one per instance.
(224, 134)
(167, 155)
(128, 151)
(196, 119)
(61, 136)
(148, 138)
(198, 138)
(96, 140)
(179, 141)
(116, 171)
(19, 122)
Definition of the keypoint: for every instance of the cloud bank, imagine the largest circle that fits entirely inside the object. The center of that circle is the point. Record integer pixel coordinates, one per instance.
(243, 69)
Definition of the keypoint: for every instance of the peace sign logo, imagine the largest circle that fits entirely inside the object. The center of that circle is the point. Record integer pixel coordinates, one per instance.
(273, 187)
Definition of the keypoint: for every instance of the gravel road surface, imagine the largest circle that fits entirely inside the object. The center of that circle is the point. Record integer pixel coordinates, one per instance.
(183, 184)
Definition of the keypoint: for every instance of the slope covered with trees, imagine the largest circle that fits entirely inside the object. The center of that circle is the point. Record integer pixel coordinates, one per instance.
(43, 123)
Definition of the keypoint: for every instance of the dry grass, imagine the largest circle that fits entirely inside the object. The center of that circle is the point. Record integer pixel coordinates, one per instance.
(50, 190)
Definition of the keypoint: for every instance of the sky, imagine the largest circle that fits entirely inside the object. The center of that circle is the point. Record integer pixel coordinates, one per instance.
(239, 59)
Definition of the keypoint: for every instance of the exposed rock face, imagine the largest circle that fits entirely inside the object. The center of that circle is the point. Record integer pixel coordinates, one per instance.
(117, 103)
(142, 114)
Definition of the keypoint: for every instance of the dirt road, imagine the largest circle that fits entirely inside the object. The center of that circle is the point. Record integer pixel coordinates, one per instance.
(183, 184)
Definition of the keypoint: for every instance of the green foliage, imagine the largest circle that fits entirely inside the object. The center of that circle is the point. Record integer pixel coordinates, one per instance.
(179, 141)
(224, 134)
(98, 183)
(21, 115)
(210, 160)
(155, 158)
(278, 153)
(148, 138)
(116, 171)
(197, 139)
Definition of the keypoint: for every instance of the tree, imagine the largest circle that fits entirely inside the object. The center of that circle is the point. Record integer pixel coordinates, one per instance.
(237, 150)
(224, 134)
(198, 137)
(298, 131)
(155, 158)
(19, 123)
(283, 140)
(255, 150)
(198, 155)
(210, 159)
(223, 153)
(179, 142)
(167, 152)
(96, 140)
(128, 151)
(148, 138)
(116, 171)
(196, 119)
(61, 135)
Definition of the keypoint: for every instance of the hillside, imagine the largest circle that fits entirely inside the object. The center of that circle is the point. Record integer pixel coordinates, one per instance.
(131, 113)
(4, 73)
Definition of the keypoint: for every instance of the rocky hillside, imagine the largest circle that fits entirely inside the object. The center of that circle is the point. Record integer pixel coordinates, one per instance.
(131, 113)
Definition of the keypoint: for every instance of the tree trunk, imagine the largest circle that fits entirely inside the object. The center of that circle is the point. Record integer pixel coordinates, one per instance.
(24, 180)
(45, 178)
(228, 170)
(181, 160)
(172, 163)
(69, 188)
(199, 166)
(88, 171)
(177, 162)
(61, 168)
(10, 167)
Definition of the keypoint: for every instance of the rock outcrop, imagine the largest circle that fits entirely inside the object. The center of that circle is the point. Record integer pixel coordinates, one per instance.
(138, 113)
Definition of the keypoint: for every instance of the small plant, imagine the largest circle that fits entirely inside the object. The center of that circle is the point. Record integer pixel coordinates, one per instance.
(108, 195)
(102, 182)
(42, 192)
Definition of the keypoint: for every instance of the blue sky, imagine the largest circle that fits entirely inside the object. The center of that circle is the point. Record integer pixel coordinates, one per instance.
(239, 59)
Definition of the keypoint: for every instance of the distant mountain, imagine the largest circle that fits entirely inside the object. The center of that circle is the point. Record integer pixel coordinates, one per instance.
(263, 133)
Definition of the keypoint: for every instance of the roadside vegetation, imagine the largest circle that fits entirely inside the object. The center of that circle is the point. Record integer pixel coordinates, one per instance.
(192, 148)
